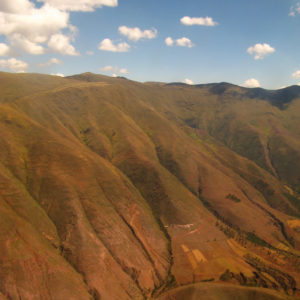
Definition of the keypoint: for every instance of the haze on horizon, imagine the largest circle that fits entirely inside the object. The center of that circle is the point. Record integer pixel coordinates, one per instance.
(251, 44)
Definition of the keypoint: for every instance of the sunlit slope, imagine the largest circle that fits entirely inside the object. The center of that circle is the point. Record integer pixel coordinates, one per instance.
(125, 189)
(13, 86)
(220, 292)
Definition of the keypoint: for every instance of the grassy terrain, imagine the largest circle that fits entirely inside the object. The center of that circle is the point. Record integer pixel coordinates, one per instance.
(221, 292)
(114, 189)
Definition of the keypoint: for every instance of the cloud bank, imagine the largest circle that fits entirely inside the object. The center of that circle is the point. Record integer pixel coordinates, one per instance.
(38, 29)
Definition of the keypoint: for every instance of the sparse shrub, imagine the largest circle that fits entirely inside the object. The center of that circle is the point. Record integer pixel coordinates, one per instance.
(253, 238)
(226, 276)
(233, 198)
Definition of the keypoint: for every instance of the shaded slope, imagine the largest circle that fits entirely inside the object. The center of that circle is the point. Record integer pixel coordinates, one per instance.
(279, 98)
(243, 124)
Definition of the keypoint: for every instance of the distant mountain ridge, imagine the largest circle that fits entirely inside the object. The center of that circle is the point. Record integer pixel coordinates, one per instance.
(278, 98)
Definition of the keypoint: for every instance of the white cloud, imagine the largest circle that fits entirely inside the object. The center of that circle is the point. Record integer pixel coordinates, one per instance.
(114, 70)
(79, 5)
(124, 71)
(39, 28)
(188, 81)
(15, 6)
(184, 42)
(58, 74)
(37, 25)
(61, 44)
(90, 52)
(108, 45)
(260, 50)
(207, 21)
(169, 41)
(251, 83)
(34, 29)
(296, 74)
(21, 42)
(295, 10)
(14, 65)
(114, 75)
(135, 34)
(4, 50)
(52, 61)
(109, 69)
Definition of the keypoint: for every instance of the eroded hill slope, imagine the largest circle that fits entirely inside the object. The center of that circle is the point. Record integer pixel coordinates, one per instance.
(113, 189)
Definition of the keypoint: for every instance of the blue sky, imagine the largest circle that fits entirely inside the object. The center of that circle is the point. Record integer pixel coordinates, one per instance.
(252, 43)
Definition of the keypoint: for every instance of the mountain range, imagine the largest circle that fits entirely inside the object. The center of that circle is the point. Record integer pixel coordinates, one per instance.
(116, 189)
